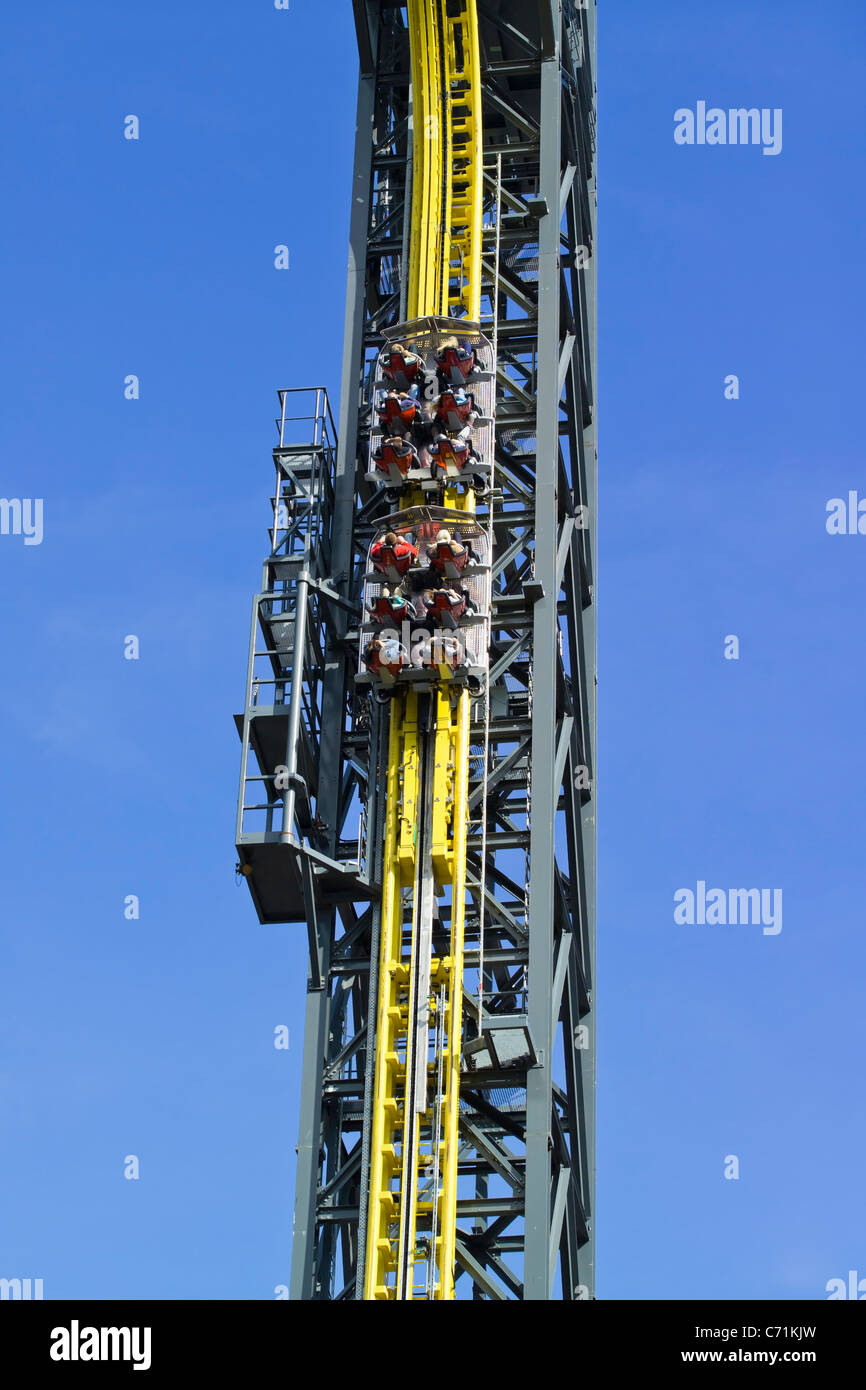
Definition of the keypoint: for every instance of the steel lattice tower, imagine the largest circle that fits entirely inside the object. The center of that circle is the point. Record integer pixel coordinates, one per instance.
(313, 799)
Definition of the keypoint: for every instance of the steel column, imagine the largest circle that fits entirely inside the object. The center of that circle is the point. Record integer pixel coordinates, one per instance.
(316, 1021)
(539, 1080)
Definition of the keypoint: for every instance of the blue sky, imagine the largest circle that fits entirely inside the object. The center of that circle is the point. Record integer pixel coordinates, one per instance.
(155, 257)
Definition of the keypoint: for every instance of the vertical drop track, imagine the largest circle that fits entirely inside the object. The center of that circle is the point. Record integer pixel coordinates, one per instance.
(413, 1170)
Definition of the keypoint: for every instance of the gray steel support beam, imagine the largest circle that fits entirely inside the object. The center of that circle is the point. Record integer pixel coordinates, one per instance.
(479, 1275)
(317, 1007)
(539, 1080)
(550, 24)
(364, 29)
(586, 1255)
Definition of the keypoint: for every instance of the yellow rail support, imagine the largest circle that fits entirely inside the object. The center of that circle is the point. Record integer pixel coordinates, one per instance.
(414, 1143)
(407, 1145)
(454, 1019)
(445, 245)
(392, 1013)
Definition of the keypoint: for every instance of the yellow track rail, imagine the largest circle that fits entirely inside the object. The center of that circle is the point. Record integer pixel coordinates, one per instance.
(412, 1209)
(402, 1198)
(445, 247)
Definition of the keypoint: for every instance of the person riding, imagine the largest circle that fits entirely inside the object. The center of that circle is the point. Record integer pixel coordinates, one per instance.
(448, 606)
(455, 409)
(450, 455)
(390, 605)
(454, 361)
(384, 653)
(402, 366)
(392, 552)
(397, 412)
(437, 651)
(397, 452)
(444, 551)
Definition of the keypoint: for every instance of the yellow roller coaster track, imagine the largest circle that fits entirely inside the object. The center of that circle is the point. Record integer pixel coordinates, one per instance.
(445, 261)
(412, 1209)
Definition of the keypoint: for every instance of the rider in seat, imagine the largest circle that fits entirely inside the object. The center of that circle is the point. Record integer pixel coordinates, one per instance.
(450, 455)
(402, 366)
(446, 555)
(448, 606)
(392, 552)
(455, 410)
(397, 413)
(396, 452)
(390, 606)
(437, 653)
(384, 655)
(454, 362)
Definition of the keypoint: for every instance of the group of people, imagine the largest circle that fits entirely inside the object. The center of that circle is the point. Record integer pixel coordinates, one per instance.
(421, 582)
(440, 607)
(423, 592)
(435, 615)
(432, 652)
(415, 436)
(455, 363)
(394, 555)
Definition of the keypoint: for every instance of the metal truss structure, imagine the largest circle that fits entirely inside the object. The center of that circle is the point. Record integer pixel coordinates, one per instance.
(315, 776)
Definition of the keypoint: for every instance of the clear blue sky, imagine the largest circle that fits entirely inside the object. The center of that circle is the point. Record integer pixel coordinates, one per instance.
(155, 1037)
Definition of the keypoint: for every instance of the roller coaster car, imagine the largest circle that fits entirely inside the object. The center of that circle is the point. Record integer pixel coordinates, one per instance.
(442, 600)
(394, 457)
(401, 366)
(455, 408)
(429, 382)
(397, 412)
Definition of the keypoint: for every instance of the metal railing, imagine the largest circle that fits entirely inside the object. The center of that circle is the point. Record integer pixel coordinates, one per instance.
(286, 652)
